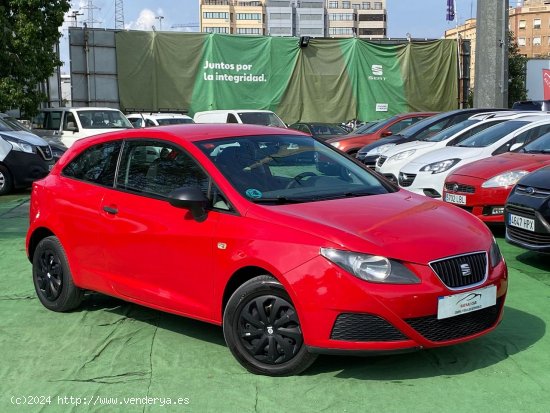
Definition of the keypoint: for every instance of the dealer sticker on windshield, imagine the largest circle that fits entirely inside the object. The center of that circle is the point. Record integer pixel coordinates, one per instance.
(453, 305)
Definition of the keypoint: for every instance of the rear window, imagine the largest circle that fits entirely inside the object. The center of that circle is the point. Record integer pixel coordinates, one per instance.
(261, 118)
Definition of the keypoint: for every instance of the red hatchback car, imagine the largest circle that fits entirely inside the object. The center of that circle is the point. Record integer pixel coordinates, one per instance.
(294, 248)
(482, 187)
(356, 140)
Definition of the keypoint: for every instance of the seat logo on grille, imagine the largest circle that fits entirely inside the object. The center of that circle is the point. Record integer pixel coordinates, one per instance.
(466, 270)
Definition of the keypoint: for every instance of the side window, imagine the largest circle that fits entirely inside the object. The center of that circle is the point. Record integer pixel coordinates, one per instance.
(158, 168)
(399, 126)
(52, 120)
(149, 122)
(69, 122)
(231, 118)
(136, 122)
(96, 164)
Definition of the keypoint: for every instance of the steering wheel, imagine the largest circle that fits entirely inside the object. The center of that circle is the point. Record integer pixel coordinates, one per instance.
(296, 180)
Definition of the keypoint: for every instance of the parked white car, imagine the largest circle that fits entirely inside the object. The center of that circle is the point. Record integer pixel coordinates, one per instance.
(398, 156)
(69, 124)
(254, 117)
(145, 120)
(426, 174)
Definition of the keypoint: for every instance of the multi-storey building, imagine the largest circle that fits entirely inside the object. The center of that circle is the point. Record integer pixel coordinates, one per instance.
(233, 16)
(466, 31)
(313, 18)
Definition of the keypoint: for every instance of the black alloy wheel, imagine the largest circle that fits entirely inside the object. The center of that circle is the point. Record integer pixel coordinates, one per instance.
(52, 277)
(5, 180)
(262, 329)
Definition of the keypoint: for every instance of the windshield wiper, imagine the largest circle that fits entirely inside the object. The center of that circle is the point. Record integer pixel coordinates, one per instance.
(537, 151)
(280, 200)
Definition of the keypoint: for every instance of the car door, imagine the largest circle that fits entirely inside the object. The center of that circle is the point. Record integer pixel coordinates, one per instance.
(156, 253)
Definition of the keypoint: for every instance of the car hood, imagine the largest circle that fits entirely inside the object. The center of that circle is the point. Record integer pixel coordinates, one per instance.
(537, 179)
(513, 161)
(442, 154)
(402, 147)
(340, 138)
(399, 225)
(26, 136)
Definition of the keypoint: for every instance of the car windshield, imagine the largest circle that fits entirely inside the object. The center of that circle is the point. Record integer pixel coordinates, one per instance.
(289, 169)
(450, 131)
(262, 118)
(173, 121)
(492, 134)
(539, 145)
(327, 129)
(378, 126)
(367, 128)
(103, 119)
(7, 123)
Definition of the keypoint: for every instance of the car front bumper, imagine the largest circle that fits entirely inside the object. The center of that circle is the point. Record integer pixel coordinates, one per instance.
(340, 312)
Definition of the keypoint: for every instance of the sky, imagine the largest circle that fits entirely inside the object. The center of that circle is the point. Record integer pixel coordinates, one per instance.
(419, 18)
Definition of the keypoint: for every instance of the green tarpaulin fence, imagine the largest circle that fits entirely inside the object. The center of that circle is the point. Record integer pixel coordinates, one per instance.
(329, 80)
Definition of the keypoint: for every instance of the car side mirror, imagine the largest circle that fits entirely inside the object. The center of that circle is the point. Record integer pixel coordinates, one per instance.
(72, 127)
(386, 133)
(191, 198)
(515, 146)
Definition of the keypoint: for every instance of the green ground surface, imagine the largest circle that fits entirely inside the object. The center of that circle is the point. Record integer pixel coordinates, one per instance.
(113, 351)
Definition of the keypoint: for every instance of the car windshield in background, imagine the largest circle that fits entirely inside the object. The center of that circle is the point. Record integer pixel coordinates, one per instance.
(325, 129)
(450, 131)
(539, 145)
(492, 134)
(103, 119)
(7, 123)
(261, 118)
(288, 169)
(173, 121)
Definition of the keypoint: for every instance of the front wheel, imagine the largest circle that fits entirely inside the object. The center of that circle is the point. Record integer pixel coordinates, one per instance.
(262, 329)
(6, 183)
(52, 277)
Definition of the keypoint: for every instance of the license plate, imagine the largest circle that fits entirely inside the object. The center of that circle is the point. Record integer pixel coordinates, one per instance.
(457, 304)
(455, 199)
(522, 222)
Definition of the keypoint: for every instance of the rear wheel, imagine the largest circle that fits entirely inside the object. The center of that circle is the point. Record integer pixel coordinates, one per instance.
(52, 277)
(262, 329)
(6, 183)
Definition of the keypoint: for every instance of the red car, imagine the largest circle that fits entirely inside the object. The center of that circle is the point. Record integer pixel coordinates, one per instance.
(294, 248)
(482, 187)
(356, 140)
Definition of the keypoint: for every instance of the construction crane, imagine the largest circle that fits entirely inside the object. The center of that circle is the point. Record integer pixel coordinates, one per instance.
(119, 14)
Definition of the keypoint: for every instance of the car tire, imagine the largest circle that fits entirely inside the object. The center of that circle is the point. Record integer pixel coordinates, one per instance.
(262, 329)
(52, 277)
(6, 182)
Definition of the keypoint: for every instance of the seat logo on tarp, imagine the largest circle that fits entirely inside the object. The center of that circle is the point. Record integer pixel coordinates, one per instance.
(377, 73)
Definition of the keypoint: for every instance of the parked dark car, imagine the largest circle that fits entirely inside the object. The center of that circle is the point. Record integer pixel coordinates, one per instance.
(527, 212)
(538, 105)
(24, 157)
(420, 130)
(321, 131)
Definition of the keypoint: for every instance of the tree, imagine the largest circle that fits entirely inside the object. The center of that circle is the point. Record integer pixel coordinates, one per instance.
(29, 30)
(517, 64)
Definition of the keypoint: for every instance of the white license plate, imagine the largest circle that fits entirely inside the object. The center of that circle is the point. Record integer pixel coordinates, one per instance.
(455, 199)
(453, 305)
(521, 222)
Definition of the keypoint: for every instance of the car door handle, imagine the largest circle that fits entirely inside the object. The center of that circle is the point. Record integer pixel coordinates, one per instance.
(110, 210)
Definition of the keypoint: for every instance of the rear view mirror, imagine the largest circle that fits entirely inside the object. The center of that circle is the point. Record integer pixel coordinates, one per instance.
(191, 198)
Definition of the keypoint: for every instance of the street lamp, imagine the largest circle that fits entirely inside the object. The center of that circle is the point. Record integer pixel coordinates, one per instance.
(159, 18)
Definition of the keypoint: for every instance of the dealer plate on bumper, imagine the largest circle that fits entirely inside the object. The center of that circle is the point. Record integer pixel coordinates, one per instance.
(455, 199)
(457, 304)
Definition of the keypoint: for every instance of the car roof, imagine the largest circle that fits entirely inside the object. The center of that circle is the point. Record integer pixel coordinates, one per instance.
(234, 110)
(77, 108)
(159, 115)
(193, 132)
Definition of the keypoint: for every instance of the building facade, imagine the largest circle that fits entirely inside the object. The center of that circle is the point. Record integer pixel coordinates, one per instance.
(313, 18)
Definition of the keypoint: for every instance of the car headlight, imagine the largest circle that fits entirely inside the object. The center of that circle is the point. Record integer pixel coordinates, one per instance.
(336, 144)
(495, 257)
(372, 268)
(381, 149)
(401, 155)
(505, 179)
(19, 145)
(438, 167)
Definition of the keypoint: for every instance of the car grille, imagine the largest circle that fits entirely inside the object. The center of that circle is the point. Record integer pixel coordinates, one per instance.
(45, 152)
(406, 179)
(530, 191)
(461, 271)
(364, 327)
(456, 187)
(527, 213)
(528, 237)
(381, 160)
(458, 326)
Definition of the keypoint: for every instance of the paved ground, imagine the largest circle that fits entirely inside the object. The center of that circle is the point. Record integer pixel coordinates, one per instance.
(111, 352)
